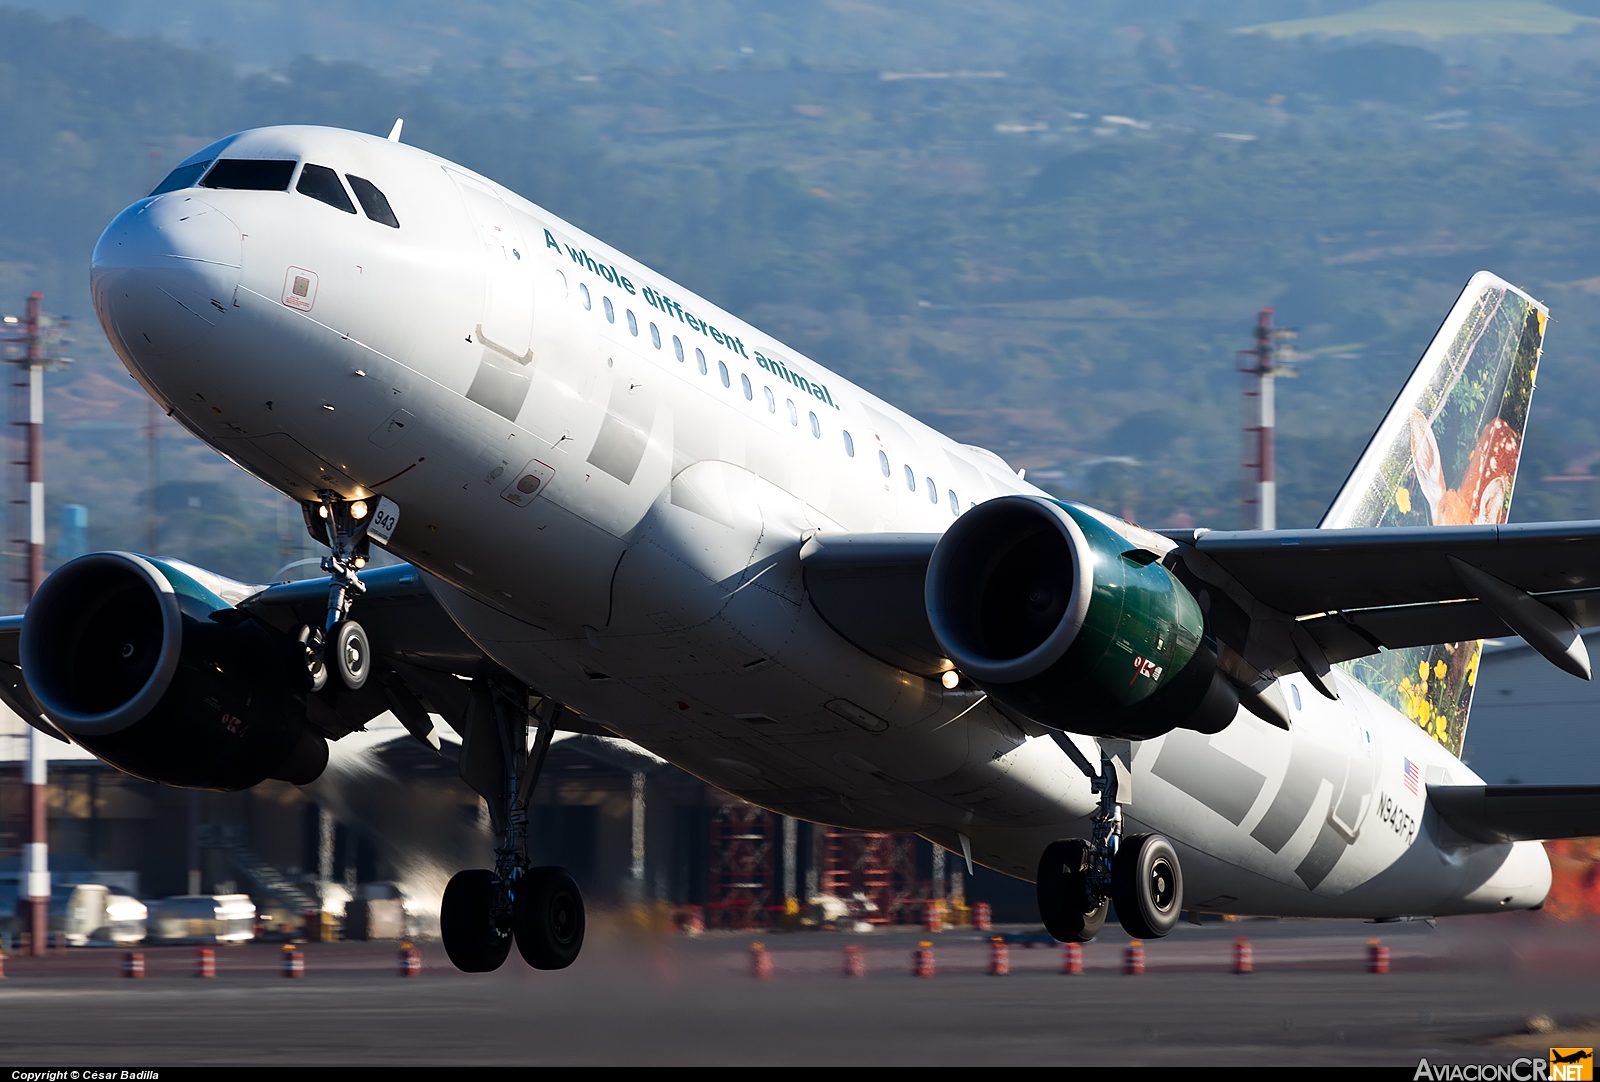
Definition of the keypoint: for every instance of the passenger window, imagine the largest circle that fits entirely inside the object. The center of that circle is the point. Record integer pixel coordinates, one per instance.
(955, 504)
(816, 426)
(374, 202)
(611, 313)
(700, 360)
(911, 479)
(587, 303)
(794, 415)
(655, 336)
(883, 463)
(772, 403)
(849, 446)
(322, 183)
(722, 370)
(677, 348)
(933, 491)
(180, 178)
(744, 381)
(250, 175)
(633, 324)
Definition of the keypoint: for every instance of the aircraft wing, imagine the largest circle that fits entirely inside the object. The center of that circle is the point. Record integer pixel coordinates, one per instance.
(1354, 591)
(1515, 813)
(1312, 571)
(1281, 600)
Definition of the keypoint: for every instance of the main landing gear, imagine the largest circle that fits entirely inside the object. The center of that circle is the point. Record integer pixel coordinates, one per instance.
(484, 911)
(1078, 880)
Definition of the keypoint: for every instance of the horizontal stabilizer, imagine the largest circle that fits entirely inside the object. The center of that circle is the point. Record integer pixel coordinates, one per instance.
(1517, 813)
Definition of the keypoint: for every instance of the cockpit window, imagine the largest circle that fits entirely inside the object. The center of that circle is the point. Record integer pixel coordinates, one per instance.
(180, 178)
(373, 201)
(250, 174)
(320, 182)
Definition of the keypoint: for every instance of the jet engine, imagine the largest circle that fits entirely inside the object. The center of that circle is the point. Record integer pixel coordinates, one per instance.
(1063, 620)
(148, 668)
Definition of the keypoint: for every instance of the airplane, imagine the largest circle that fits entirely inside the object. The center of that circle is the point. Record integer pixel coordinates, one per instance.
(620, 508)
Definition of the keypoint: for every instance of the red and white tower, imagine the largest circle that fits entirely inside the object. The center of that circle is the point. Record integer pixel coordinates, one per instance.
(38, 334)
(1261, 366)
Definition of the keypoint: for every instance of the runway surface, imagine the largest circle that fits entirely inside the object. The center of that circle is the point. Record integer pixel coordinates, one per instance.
(1459, 993)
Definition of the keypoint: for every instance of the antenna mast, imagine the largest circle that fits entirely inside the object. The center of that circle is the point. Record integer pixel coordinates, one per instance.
(30, 351)
(1261, 366)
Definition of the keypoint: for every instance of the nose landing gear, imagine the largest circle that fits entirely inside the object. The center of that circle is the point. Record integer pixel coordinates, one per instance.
(1078, 880)
(540, 908)
(341, 642)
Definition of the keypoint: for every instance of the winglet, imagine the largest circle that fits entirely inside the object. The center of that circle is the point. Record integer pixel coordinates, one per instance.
(394, 132)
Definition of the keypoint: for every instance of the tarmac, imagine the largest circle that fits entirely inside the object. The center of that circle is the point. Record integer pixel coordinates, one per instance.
(1459, 993)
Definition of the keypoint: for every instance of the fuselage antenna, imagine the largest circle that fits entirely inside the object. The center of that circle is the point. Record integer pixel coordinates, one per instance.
(394, 132)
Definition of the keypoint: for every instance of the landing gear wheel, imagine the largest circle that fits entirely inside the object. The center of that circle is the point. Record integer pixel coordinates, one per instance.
(1147, 886)
(316, 668)
(1063, 891)
(472, 938)
(349, 654)
(548, 918)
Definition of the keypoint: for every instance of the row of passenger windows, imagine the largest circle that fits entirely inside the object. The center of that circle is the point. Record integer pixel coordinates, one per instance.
(770, 399)
(273, 175)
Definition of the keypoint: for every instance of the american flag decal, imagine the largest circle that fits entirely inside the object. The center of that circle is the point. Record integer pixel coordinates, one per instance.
(1413, 775)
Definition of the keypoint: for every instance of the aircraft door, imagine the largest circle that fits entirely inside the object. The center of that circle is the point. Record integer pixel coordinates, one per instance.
(1352, 798)
(507, 326)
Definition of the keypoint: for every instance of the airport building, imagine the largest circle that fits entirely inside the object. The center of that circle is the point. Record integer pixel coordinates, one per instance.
(391, 811)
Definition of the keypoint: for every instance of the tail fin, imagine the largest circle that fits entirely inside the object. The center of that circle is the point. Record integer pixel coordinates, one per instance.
(1447, 455)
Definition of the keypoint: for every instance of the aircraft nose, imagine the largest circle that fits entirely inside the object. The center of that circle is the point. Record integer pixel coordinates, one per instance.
(164, 274)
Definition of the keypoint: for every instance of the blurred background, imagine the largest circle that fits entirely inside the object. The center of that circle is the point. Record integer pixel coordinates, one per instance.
(1040, 226)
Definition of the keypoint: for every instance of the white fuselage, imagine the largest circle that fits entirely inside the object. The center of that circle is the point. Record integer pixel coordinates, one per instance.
(648, 574)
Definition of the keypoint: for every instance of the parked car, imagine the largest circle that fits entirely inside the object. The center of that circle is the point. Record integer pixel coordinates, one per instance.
(204, 918)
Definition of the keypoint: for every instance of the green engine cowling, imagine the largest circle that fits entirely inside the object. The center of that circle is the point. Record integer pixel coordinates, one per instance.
(1061, 619)
(143, 664)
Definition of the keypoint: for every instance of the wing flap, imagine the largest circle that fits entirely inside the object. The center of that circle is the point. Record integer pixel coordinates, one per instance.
(1514, 813)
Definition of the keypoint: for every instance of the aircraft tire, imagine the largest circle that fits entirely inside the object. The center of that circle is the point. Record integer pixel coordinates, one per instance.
(1062, 889)
(1147, 886)
(316, 667)
(350, 654)
(473, 941)
(548, 918)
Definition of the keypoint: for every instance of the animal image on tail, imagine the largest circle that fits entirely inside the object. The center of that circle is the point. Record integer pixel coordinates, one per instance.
(1447, 455)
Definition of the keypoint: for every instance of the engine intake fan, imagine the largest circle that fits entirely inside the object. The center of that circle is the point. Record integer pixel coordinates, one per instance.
(149, 669)
(1061, 619)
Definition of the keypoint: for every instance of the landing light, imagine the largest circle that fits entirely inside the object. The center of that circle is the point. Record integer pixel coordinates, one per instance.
(358, 510)
(950, 679)
(359, 562)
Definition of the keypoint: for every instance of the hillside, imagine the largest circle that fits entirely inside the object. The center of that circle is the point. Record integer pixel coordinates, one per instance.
(1057, 258)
